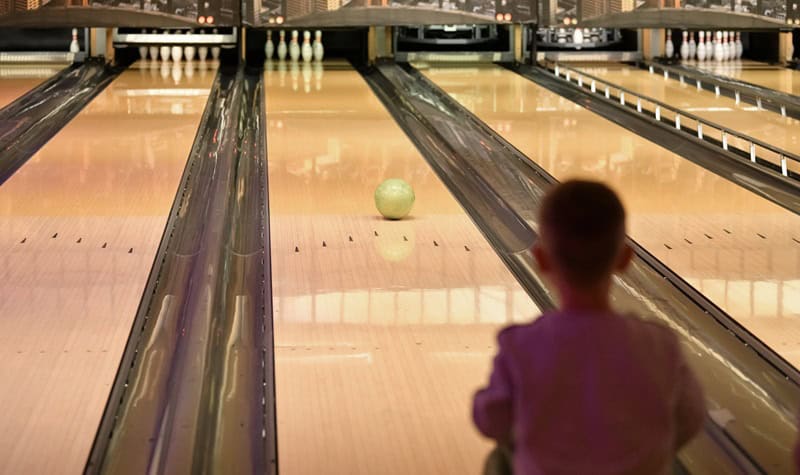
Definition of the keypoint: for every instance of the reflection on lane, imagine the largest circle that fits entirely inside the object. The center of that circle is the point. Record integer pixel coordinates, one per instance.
(383, 329)
(741, 251)
(18, 79)
(79, 226)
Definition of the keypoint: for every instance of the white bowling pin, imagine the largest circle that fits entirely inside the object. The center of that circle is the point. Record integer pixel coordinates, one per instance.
(726, 47)
(74, 47)
(282, 45)
(269, 47)
(188, 52)
(561, 36)
(739, 45)
(669, 47)
(177, 51)
(166, 51)
(215, 50)
(577, 36)
(143, 50)
(294, 46)
(307, 52)
(153, 50)
(701, 47)
(692, 46)
(719, 51)
(685, 45)
(319, 50)
(202, 51)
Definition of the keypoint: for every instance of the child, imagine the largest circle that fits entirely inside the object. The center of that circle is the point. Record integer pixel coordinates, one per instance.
(583, 389)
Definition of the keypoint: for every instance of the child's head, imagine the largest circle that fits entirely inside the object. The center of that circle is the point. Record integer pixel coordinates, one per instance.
(582, 234)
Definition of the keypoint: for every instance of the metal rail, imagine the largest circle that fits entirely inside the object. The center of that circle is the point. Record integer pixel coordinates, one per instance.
(785, 104)
(465, 152)
(769, 158)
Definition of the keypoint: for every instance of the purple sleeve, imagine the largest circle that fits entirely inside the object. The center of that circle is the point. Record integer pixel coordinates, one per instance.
(492, 406)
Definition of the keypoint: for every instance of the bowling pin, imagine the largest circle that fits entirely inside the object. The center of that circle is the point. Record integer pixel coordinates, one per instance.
(319, 50)
(561, 36)
(282, 45)
(709, 46)
(202, 51)
(701, 47)
(718, 49)
(269, 47)
(722, 42)
(307, 52)
(74, 47)
(685, 45)
(669, 47)
(166, 51)
(692, 46)
(143, 50)
(215, 50)
(294, 46)
(739, 45)
(153, 50)
(577, 36)
(177, 50)
(189, 50)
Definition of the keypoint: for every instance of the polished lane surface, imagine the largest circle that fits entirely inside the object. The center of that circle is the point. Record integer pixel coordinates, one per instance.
(765, 125)
(79, 228)
(383, 329)
(770, 76)
(17, 79)
(740, 250)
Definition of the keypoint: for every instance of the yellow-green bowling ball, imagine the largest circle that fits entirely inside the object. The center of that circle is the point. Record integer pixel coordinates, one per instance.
(394, 198)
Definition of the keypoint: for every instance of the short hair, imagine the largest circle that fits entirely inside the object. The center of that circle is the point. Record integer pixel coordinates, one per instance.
(583, 227)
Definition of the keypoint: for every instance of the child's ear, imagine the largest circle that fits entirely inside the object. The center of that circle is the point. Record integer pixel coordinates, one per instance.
(542, 259)
(625, 258)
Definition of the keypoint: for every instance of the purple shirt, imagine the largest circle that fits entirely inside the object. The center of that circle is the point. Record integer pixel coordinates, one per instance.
(580, 393)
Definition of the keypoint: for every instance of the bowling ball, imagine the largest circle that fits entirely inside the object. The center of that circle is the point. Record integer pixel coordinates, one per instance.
(394, 198)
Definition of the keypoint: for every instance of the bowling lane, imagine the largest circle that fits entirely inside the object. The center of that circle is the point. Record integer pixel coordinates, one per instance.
(17, 79)
(765, 125)
(79, 227)
(740, 250)
(383, 329)
(766, 75)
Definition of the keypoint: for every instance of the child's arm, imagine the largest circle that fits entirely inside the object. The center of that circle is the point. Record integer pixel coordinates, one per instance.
(492, 406)
(691, 407)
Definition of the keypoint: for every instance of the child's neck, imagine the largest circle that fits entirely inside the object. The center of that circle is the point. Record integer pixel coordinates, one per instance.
(593, 299)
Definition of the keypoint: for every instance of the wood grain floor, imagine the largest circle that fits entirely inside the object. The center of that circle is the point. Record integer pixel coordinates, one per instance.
(79, 227)
(740, 250)
(383, 330)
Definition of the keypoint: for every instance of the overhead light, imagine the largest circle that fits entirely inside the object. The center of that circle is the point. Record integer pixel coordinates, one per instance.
(271, 20)
(279, 20)
(201, 20)
(499, 17)
(209, 19)
(507, 17)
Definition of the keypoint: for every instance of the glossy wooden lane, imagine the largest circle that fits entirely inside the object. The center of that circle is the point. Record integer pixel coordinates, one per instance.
(17, 79)
(765, 125)
(771, 76)
(383, 329)
(79, 227)
(741, 251)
